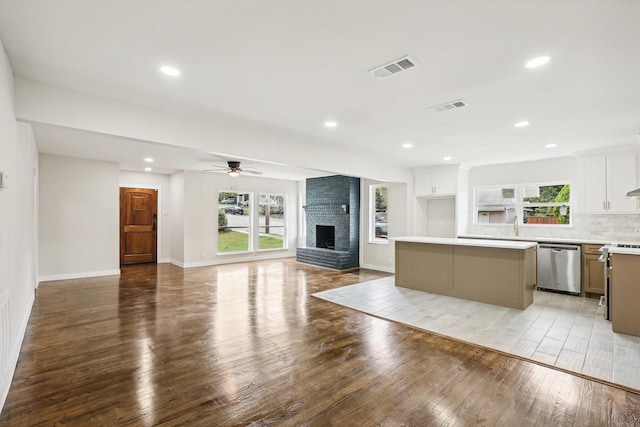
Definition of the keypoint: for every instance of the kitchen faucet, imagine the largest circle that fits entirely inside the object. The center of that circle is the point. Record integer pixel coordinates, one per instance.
(515, 225)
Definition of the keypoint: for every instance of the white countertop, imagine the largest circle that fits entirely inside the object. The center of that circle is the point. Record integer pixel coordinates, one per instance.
(504, 244)
(623, 251)
(538, 239)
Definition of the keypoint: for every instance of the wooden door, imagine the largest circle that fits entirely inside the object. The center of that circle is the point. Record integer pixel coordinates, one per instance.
(138, 225)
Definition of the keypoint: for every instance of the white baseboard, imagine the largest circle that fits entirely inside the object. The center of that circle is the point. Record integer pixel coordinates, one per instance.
(81, 275)
(378, 268)
(262, 257)
(176, 263)
(14, 354)
(164, 261)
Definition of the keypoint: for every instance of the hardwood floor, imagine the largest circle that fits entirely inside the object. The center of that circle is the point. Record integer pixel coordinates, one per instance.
(246, 344)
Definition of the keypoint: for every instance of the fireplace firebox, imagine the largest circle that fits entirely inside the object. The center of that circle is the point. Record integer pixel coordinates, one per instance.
(326, 237)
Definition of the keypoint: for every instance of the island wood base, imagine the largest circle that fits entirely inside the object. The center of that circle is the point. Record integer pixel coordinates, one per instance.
(498, 276)
(625, 294)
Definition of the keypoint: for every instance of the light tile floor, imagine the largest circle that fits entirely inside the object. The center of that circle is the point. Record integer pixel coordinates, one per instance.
(561, 330)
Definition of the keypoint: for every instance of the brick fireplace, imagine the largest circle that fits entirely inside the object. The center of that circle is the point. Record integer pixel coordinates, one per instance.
(333, 223)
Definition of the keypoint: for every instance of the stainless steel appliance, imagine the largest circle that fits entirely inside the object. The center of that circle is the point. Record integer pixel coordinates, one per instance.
(605, 258)
(559, 267)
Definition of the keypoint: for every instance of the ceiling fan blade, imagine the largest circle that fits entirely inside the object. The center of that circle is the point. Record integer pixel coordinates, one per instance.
(250, 171)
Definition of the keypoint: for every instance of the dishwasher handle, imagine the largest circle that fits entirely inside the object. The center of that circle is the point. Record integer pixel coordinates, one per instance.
(558, 248)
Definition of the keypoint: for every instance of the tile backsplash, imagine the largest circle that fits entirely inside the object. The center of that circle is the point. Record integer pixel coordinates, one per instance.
(608, 228)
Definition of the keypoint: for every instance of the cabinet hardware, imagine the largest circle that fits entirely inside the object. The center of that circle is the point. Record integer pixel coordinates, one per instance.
(604, 205)
(608, 205)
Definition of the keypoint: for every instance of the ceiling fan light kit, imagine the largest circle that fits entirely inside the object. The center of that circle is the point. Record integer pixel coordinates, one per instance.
(233, 169)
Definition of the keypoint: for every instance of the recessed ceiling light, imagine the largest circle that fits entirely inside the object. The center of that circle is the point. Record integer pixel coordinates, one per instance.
(147, 169)
(407, 145)
(170, 71)
(330, 124)
(537, 62)
(551, 146)
(148, 159)
(521, 124)
(447, 158)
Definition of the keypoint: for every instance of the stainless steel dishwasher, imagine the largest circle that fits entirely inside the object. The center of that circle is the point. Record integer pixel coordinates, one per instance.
(559, 267)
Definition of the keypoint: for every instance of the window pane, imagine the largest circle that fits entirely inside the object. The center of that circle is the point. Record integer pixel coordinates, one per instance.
(546, 194)
(498, 215)
(234, 222)
(271, 221)
(380, 212)
(558, 195)
(546, 215)
(495, 196)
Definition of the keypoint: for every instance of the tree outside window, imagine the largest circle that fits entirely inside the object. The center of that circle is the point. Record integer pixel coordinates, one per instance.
(271, 221)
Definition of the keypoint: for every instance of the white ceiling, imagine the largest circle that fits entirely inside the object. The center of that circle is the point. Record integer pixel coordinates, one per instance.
(129, 154)
(293, 64)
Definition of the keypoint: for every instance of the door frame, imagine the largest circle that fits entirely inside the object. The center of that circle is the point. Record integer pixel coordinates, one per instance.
(159, 221)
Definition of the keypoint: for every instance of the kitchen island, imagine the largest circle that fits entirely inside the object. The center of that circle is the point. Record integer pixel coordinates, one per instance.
(624, 293)
(498, 272)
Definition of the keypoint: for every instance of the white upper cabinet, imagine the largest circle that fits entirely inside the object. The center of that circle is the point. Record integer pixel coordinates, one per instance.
(606, 181)
(443, 183)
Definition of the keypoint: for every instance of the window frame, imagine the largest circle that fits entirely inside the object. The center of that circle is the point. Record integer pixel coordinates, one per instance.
(373, 213)
(250, 227)
(520, 205)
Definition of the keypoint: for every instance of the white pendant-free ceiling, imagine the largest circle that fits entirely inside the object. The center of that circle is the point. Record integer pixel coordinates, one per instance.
(290, 65)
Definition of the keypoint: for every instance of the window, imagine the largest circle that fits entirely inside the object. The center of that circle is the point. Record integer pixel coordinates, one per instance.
(271, 221)
(495, 205)
(234, 222)
(531, 204)
(546, 204)
(378, 202)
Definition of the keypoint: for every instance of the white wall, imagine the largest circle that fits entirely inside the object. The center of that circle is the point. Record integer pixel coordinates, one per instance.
(549, 170)
(201, 216)
(561, 169)
(158, 182)
(599, 227)
(302, 226)
(79, 218)
(18, 219)
(438, 215)
(176, 218)
(43, 103)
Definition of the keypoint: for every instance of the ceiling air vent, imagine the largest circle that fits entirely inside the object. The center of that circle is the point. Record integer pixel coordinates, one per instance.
(450, 106)
(394, 67)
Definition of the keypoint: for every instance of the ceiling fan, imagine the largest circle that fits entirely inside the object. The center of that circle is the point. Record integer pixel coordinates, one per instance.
(233, 169)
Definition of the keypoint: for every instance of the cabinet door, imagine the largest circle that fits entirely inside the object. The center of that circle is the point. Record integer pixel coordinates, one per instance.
(621, 178)
(594, 194)
(423, 185)
(593, 274)
(444, 184)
